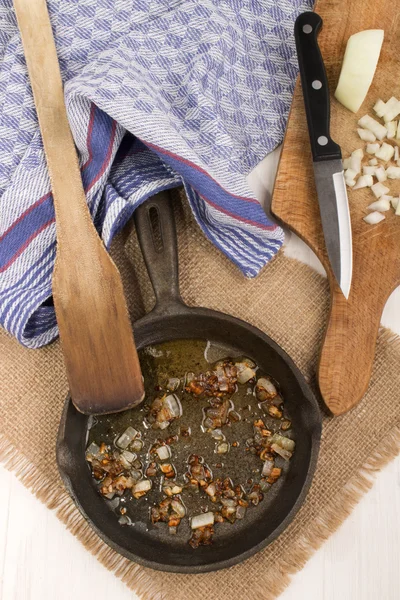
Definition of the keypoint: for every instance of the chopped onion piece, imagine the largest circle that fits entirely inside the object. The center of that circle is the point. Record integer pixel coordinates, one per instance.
(163, 452)
(355, 160)
(373, 162)
(372, 148)
(393, 172)
(396, 153)
(380, 108)
(349, 177)
(380, 205)
(265, 388)
(202, 520)
(244, 372)
(93, 451)
(346, 163)
(398, 131)
(364, 181)
(127, 458)
(178, 507)
(282, 441)
(374, 218)
(173, 384)
(173, 406)
(394, 202)
(392, 109)
(379, 189)
(223, 448)
(366, 135)
(217, 434)
(267, 468)
(391, 129)
(241, 512)
(398, 163)
(286, 454)
(126, 438)
(369, 170)
(172, 529)
(136, 475)
(398, 209)
(380, 174)
(137, 445)
(385, 152)
(211, 490)
(142, 486)
(367, 122)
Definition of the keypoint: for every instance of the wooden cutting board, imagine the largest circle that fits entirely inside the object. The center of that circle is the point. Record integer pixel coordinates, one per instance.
(349, 346)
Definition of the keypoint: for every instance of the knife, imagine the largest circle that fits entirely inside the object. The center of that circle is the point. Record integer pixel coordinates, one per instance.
(327, 156)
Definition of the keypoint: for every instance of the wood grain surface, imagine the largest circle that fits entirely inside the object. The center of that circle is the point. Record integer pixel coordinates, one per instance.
(349, 346)
(95, 331)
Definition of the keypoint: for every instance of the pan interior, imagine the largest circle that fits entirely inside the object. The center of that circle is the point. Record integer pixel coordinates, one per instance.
(174, 359)
(153, 545)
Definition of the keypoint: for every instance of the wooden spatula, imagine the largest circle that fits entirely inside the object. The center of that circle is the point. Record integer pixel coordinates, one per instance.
(95, 331)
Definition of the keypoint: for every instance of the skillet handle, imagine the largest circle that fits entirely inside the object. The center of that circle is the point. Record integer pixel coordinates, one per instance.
(155, 227)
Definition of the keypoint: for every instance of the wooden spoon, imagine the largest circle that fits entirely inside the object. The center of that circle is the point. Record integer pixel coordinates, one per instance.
(95, 330)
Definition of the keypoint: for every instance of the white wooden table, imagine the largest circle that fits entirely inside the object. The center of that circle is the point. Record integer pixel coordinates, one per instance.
(41, 560)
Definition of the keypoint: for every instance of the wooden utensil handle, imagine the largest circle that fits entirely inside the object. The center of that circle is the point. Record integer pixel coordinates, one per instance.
(348, 350)
(72, 214)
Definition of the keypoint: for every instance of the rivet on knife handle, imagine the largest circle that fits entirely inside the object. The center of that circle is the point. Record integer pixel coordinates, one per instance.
(315, 87)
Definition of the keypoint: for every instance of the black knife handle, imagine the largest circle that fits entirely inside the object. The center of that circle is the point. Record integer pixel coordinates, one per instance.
(315, 87)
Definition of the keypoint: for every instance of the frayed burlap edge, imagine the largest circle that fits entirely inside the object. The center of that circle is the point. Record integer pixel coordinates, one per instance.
(57, 499)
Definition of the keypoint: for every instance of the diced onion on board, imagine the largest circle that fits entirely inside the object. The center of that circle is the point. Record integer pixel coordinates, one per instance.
(374, 218)
(379, 189)
(367, 122)
(369, 170)
(392, 109)
(355, 160)
(385, 152)
(364, 181)
(372, 148)
(366, 136)
(381, 205)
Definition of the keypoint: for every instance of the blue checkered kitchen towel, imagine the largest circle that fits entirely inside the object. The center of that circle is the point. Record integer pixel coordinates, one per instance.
(158, 93)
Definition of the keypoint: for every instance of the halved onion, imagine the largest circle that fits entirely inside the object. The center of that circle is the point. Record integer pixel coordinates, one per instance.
(358, 68)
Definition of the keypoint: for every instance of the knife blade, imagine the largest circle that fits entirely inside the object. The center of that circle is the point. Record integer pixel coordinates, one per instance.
(327, 155)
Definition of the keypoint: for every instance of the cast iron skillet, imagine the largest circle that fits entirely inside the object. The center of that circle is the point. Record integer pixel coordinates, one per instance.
(171, 319)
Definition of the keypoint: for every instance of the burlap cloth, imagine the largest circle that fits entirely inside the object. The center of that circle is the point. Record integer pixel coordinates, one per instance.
(288, 301)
